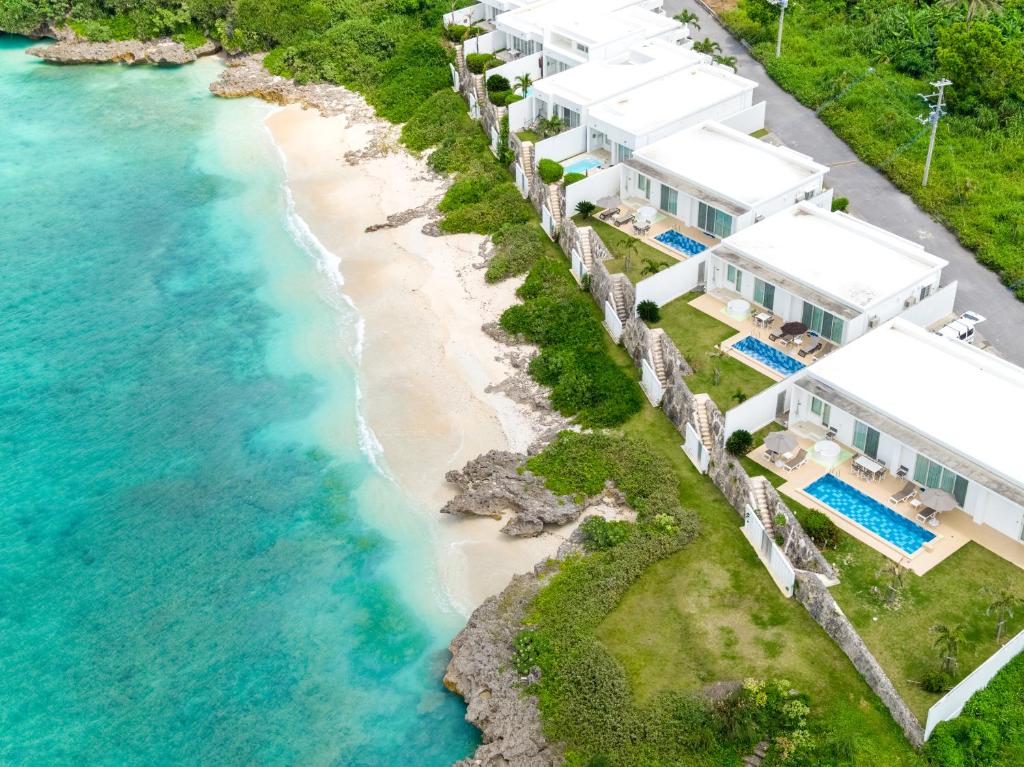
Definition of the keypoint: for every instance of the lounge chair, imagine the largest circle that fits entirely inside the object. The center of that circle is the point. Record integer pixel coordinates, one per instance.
(607, 213)
(908, 491)
(810, 349)
(784, 340)
(796, 461)
(928, 514)
(775, 335)
(771, 455)
(623, 218)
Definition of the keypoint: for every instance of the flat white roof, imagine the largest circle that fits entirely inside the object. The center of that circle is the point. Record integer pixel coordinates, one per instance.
(731, 164)
(955, 394)
(671, 98)
(848, 259)
(593, 22)
(595, 81)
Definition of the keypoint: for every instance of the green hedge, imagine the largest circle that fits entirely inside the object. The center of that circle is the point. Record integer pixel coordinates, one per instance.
(550, 171)
(477, 63)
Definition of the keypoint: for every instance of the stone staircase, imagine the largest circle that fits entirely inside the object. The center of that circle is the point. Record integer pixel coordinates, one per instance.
(460, 60)
(586, 255)
(526, 158)
(658, 355)
(481, 91)
(555, 207)
(703, 419)
(759, 500)
(618, 296)
(755, 759)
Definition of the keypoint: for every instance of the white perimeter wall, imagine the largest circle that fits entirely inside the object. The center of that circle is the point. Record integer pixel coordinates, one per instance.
(769, 553)
(520, 114)
(679, 279)
(567, 144)
(489, 42)
(758, 411)
(465, 16)
(952, 703)
(747, 121)
(934, 308)
(524, 65)
(596, 186)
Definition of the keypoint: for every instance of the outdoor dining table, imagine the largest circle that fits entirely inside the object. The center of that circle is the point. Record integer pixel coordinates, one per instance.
(871, 467)
(763, 318)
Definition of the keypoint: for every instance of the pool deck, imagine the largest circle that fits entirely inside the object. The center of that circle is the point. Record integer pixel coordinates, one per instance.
(714, 304)
(954, 531)
(662, 223)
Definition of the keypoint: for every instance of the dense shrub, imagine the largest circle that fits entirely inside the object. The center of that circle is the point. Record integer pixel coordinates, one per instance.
(572, 178)
(820, 528)
(498, 83)
(500, 98)
(964, 742)
(550, 171)
(456, 33)
(584, 207)
(937, 681)
(840, 203)
(478, 62)
(649, 312)
(740, 441)
(517, 247)
(599, 534)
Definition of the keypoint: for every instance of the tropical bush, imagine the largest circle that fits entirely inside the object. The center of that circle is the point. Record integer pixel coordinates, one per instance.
(584, 207)
(599, 534)
(820, 529)
(517, 247)
(740, 441)
(649, 312)
(456, 33)
(477, 63)
(937, 682)
(550, 171)
(840, 203)
(498, 83)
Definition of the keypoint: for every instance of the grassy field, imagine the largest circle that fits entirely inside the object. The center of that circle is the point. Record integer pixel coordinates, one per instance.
(897, 626)
(696, 335)
(976, 187)
(617, 243)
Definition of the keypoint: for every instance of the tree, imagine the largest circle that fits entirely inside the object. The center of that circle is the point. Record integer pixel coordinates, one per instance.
(523, 83)
(688, 17)
(985, 67)
(648, 311)
(740, 442)
(1002, 606)
(894, 571)
(585, 208)
(708, 46)
(652, 267)
(948, 642)
(726, 61)
(632, 248)
(975, 7)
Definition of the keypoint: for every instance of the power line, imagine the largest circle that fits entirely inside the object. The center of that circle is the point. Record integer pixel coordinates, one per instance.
(934, 115)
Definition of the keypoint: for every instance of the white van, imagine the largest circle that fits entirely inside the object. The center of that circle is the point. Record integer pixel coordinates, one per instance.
(962, 328)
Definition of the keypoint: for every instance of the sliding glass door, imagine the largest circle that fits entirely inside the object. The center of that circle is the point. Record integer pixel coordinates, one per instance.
(931, 474)
(764, 293)
(825, 324)
(865, 439)
(713, 221)
(669, 199)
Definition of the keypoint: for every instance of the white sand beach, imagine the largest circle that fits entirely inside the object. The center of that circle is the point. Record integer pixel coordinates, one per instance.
(426, 365)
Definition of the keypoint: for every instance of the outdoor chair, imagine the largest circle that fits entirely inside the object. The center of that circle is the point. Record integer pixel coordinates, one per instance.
(831, 433)
(796, 461)
(770, 455)
(902, 471)
(775, 335)
(623, 218)
(784, 340)
(607, 213)
(928, 514)
(810, 349)
(908, 491)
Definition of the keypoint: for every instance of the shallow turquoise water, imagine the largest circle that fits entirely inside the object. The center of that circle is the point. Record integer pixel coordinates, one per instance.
(192, 568)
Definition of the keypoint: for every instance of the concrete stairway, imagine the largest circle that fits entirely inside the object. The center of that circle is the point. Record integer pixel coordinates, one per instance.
(586, 255)
(658, 355)
(481, 91)
(526, 158)
(618, 296)
(700, 414)
(759, 500)
(555, 206)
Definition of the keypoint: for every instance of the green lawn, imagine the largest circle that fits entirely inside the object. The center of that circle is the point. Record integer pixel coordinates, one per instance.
(696, 335)
(897, 629)
(617, 241)
(528, 135)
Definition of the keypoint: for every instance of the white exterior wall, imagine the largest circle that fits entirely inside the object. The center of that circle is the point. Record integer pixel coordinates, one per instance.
(524, 65)
(984, 505)
(567, 144)
(678, 280)
(596, 186)
(749, 120)
(489, 42)
(934, 308)
(465, 16)
(520, 114)
(758, 411)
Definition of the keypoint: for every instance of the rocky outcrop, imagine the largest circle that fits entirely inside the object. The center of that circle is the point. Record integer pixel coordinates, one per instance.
(497, 483)
(481, 671)
(161, 52)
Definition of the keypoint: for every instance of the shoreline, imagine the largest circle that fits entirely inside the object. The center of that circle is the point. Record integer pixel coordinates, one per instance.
(427, 373)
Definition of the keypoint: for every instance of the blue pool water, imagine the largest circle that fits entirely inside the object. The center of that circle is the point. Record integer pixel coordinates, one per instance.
(194, 569)
(680, 242)
(582, 165)
(768, 355)
(869, 513)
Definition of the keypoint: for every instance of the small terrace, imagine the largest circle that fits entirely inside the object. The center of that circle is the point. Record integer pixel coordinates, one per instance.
(699, 336)
(782, 357)
(638, 255)
(663, 232)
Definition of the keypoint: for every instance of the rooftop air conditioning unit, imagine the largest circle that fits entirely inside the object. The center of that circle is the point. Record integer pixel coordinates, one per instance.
(873, 321)
(910, 302)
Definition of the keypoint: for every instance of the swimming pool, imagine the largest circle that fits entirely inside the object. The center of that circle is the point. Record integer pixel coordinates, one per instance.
(680, 241)
(583, 164)
(869, 513)
(768, 355)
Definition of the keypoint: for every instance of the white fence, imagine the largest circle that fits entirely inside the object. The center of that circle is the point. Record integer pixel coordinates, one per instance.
(597, 185)
(678, 280)
(770, 554)
(489, 42)
(520, 114)
(749, 120)
(524, 65)
(953, 702)
(578, 269)
(564, 145)
(757, 411)
(455, 77)
(934, 308)
(651, 385)
(465, 16)
(612, 322)
(695, 449)
(521, 183)
(547, 222)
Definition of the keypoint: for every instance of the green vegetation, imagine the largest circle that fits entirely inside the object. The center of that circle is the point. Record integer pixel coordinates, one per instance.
(528, 135)
(572, 178)
(739, 442)
(697, 335)
(457, 33)
(648, 311)
(517, 247)
(478, 63)
(840, 203)
(990, 730)
(630, 256)
(549, 170)
(975, 185)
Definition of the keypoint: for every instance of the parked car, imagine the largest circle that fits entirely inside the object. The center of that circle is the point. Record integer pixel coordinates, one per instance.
(962, 328)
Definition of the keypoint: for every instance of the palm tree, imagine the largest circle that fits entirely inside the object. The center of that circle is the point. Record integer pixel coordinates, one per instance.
(727, 61)
(523, 83)
(632, 248)
(1002, 606)
(708, 46)
(975, 8)
(651, 267)
(948, 642)
(894, 571)
(688, 17)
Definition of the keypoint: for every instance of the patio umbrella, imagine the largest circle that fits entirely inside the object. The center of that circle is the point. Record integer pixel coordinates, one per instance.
(794, 328)
(940, 500)
(646, 213)
(780, 442)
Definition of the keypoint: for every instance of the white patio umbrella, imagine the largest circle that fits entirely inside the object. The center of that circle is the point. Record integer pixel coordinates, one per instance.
(780, 441)
(646, 213)
(940, 500)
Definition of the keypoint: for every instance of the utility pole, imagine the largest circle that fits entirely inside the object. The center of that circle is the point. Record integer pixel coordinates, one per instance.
(934, 115)
(783, 4)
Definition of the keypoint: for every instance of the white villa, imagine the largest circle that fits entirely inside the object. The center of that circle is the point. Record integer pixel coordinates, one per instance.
(947, 412)
(718, 180)
(838, 275)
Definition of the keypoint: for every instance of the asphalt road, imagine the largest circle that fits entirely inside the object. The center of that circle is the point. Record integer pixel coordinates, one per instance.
(872, 196)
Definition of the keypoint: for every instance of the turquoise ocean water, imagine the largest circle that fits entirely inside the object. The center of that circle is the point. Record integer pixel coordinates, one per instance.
(198, 563)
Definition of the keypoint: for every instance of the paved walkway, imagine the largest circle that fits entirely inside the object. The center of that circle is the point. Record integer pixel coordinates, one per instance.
(872, 196)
